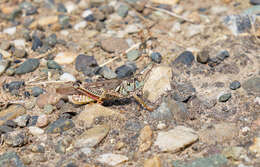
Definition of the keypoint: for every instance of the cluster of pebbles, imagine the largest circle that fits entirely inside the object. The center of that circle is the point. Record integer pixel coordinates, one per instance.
(203, 83)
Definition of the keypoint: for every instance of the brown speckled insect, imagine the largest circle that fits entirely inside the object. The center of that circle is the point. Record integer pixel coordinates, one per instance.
(102, 91)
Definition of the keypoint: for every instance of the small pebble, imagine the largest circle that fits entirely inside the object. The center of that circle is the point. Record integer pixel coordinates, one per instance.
(48, 109)
(255, 2)
(3, 66)
(5, 45)
(185, 58)
(64, 21)
(19, 53)
(60, 125)
(22, 120)
(15, 85)
(10, 71)
(51, 40)
(37, 43)
(61, 8)
(36, 91)
(88, 15)
(19, 43)
(107, 73)
(28, 66)
(70, 6)
(37, 149)
(203, 57)
(156, 57)
(10, 31)
(67, 77)
(35, 130)
(51, 64)
(224, 97)
(80, 25)
(5, 129)
(122, 10)
(222, 55)
(42, 121)
(133, 55)
(126, 70)
(234, 85)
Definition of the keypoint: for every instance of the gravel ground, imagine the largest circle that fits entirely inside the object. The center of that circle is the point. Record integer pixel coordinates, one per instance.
(188, 71)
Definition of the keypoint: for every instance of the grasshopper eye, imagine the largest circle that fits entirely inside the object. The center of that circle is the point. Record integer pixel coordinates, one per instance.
(76, 85)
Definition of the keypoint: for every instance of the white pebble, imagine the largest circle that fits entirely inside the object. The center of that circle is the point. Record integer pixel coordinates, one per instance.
(80, 25)
(70, 6)
(64, 32)
(67, 77)
(161, 126)
(86, 13)
(35, 130)
(257, 100)
(19, 43)
(86, 150)
(10, 30)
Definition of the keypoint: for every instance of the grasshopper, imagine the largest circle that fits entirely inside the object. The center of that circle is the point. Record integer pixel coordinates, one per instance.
(101, 91)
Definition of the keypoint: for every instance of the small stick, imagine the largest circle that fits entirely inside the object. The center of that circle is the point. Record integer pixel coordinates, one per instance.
(128, 50)
(170, 13)
(47, 82)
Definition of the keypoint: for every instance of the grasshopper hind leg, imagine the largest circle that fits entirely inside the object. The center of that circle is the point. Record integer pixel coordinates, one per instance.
(140, 101)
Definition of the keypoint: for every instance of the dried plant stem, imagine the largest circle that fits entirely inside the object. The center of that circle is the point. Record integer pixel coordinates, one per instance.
(46, 82)
(169, 13)
(128, 50)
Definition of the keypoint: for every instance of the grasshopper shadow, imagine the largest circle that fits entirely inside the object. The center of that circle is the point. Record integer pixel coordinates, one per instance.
(117, 102)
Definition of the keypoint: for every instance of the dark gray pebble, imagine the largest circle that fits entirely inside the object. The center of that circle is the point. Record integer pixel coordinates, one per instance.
(225, 97)
(185, 58)
(28, 66)
(11, 159)
(11, 123)
(234, 85)
(222, 55)
(37, 43)
(36, 91)
(51, 40)
(61, 8)
(255, 2)
(15, 85)
(60, 126)
(156, 57)
(126, 70)
(33, 121)
(5, 129)
(53, 65)
(86, 64)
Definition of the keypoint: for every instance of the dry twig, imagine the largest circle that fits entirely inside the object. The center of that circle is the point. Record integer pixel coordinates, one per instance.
(170, 13)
